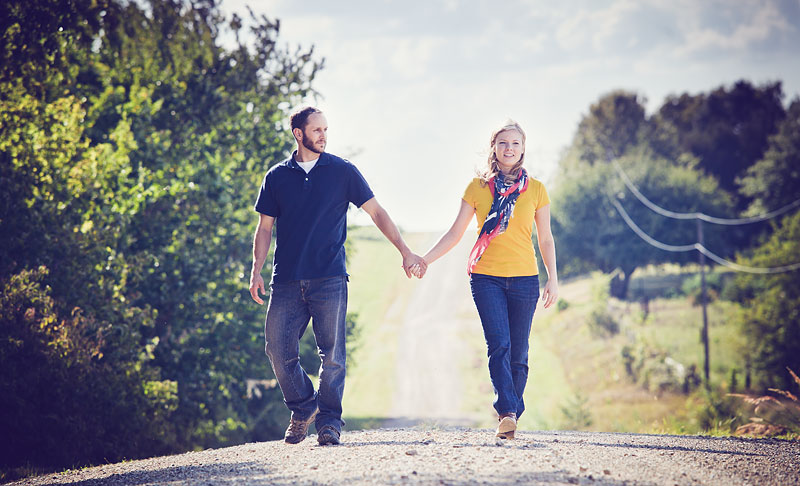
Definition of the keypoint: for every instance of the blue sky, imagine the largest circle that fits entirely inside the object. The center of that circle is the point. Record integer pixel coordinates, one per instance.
(412, 89)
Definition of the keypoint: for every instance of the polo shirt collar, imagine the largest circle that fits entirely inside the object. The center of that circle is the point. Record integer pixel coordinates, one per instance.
(324, 159)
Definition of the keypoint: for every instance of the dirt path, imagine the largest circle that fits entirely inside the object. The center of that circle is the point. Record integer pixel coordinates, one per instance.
(431, 351)
(460, 456)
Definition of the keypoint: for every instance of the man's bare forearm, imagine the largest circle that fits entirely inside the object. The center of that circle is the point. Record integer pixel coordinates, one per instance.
(391, 231)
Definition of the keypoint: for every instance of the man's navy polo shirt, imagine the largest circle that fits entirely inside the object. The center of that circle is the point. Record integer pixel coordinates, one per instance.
(310, 213)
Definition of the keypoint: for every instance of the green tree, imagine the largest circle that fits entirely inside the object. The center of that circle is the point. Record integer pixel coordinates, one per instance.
(727, 130)
(132, 145)
(593, 235)
(614, 124)
(771, 306)
(774, 181)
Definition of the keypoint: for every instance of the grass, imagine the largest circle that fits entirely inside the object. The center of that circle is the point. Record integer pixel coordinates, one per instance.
(571, 369)
(592, 366)
(378, 293)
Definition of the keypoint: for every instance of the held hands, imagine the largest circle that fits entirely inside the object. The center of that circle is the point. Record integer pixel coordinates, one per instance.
(418, 269)
(414, 265)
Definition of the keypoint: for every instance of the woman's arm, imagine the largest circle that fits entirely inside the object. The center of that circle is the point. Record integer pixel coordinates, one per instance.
(547, 248)
(453, 235)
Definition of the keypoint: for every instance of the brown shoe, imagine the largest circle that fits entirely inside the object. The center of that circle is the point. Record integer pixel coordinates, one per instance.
(298, 429)
(507, 426)
(328, 436)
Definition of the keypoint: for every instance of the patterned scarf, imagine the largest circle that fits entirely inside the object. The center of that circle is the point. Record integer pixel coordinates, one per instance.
(504, 198)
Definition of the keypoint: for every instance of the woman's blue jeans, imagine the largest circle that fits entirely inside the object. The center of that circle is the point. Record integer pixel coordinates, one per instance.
(506, 306)
(291, 306)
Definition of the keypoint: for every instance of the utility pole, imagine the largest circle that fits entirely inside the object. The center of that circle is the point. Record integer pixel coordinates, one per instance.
(704, 332)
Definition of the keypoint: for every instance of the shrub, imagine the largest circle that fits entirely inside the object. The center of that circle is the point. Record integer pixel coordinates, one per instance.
(67, 396)
(576, 413)
(656, 371)
(602, 323)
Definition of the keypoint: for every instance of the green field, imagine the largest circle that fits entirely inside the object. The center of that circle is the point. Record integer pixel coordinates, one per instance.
(577, 379)
(378, 293)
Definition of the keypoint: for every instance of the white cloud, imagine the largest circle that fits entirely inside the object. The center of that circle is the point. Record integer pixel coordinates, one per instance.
(745, 26)
(417, 86)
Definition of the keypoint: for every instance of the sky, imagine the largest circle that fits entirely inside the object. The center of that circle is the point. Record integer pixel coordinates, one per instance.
(412, 89)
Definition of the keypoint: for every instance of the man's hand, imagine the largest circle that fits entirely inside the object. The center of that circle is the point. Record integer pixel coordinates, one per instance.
(413, 264)
(256, 285)
(418, 271)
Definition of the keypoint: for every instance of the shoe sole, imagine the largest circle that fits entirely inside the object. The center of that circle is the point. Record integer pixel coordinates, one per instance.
(506, 428)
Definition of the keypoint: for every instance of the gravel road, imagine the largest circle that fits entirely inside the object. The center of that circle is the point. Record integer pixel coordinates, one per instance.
(431, 350)
(463, 456)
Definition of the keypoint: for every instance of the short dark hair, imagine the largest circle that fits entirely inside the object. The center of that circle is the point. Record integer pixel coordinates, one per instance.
(299, 118)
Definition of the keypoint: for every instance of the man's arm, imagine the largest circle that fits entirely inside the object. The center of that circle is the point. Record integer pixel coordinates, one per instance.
(261, 241)
(384, 223)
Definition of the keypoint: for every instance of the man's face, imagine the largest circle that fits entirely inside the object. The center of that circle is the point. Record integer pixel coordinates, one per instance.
(315, 133)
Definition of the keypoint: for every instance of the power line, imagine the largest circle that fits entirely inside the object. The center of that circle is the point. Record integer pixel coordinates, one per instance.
(697, 215)
(697, 246)
(649, 239)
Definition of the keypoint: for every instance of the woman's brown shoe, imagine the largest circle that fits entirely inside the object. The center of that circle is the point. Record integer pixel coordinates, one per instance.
(507, 426)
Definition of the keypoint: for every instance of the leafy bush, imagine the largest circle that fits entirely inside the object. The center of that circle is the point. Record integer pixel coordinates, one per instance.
(692, 287)
(602, 323)
(717, 415)
(68, 394)
(576, 413)
(656, 371)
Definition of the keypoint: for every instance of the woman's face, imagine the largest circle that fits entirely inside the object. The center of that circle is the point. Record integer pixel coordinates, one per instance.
(508, 148)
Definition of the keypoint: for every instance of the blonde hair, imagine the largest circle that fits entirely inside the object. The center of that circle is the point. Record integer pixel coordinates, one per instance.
(492, 168)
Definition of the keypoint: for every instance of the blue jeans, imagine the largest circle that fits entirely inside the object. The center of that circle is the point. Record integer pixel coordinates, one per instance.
(506, 306)
(291, 306)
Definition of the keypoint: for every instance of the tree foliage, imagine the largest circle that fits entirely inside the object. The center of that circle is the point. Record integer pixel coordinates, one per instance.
(774, 181)
(771, 306)
(132, 144)
(592, 233)
(714, 153)
(692, 155)
(727, 130)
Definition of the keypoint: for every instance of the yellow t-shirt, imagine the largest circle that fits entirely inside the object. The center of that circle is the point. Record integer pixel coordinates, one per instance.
(511, 253)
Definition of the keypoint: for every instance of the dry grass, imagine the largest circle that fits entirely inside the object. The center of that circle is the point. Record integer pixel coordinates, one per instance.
(774, 415)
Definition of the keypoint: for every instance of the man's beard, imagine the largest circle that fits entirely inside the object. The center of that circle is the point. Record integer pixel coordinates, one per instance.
(310, 146)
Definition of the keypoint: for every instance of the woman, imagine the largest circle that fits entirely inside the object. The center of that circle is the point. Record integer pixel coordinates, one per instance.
(502, 265)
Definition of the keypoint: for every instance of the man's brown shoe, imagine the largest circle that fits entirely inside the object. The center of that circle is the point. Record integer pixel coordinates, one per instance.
(298, 429)
(507, 426)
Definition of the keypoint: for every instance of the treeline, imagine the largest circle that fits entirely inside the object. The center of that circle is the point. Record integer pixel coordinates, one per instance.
(733, 152)
(132, 145)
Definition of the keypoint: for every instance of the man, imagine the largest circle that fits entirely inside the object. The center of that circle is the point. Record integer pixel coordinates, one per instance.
(307, 196)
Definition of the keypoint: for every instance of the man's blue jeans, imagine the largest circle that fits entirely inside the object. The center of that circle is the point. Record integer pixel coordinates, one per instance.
(291, 306)
(506, 306)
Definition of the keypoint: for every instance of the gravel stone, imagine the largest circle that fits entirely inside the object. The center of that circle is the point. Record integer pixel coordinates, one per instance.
(461, 456)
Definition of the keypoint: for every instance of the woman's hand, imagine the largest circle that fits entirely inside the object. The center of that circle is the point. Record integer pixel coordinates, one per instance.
(550, 292)
(418, 269)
